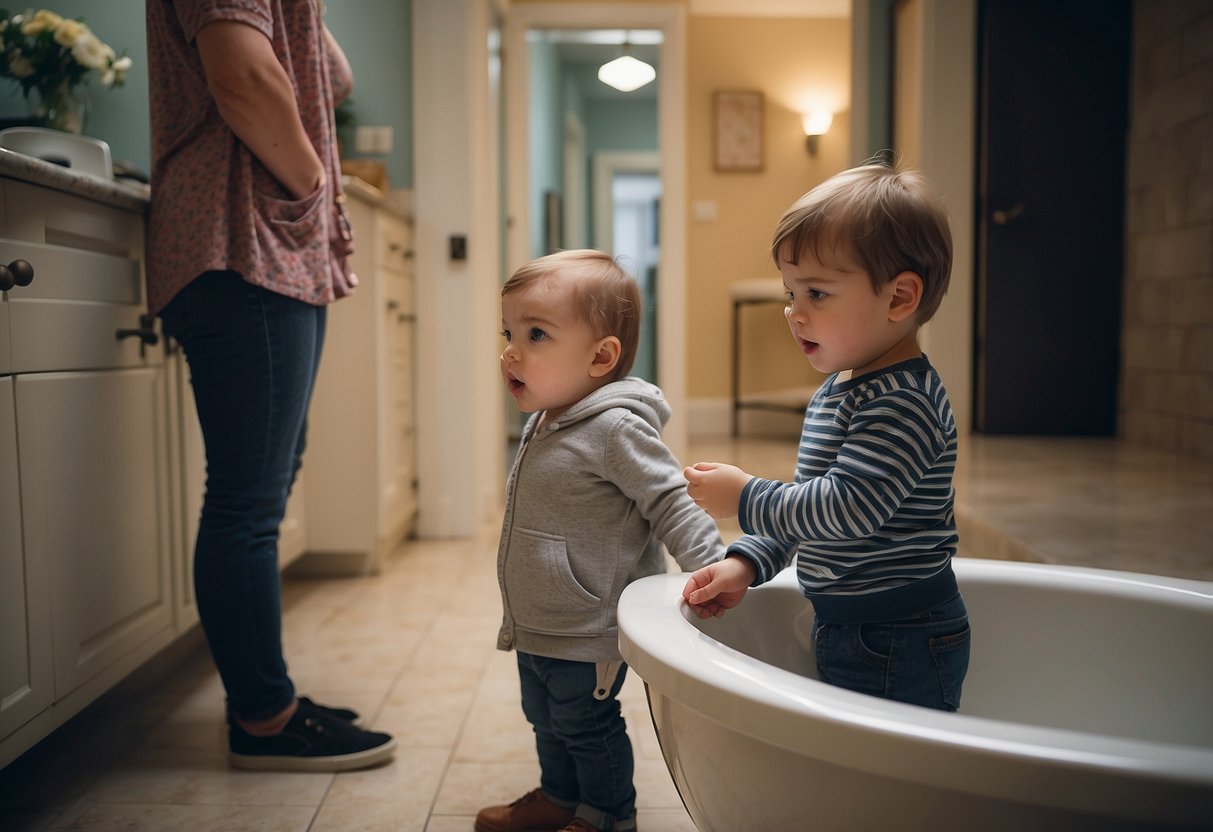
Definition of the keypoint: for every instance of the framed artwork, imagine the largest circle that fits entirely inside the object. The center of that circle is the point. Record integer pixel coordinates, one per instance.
(738, 130)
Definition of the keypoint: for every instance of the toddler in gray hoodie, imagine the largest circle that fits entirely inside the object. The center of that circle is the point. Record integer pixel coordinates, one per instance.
(592, 496)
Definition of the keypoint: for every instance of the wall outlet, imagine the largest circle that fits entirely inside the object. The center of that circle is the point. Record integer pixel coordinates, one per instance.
(372, 139)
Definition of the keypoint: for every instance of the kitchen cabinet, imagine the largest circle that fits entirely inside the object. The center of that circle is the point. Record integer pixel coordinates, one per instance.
(361, 492)
(84, 460)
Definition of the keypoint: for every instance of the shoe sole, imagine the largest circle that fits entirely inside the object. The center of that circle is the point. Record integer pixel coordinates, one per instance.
(341, 762)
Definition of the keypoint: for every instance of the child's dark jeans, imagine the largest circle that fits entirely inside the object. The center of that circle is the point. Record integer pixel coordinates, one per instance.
(585, 755)
(922, 661)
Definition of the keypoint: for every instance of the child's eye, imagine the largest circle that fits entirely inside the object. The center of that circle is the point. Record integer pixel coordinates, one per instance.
(538, 334)
(788, 296)
(505, 333)
(816, 294)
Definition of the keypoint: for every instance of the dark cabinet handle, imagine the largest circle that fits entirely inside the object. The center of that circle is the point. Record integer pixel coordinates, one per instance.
(146, 332)
(17, 273)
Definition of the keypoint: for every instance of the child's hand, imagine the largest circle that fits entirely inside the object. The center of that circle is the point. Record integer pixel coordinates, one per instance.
(716, 487)
(719, 586)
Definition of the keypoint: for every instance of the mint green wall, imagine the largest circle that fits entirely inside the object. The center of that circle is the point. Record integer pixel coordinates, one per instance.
(621, 125)
(375, 35)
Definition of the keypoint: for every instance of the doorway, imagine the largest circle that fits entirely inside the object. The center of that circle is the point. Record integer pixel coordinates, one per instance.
(1050, 214)
(664, 24)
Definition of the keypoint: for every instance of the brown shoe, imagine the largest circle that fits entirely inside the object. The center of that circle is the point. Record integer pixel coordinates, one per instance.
(532, 812)
(578, 825)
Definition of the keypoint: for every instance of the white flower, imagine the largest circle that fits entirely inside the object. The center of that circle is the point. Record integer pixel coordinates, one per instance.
(70, 31)
(92, 53)
(42, 21)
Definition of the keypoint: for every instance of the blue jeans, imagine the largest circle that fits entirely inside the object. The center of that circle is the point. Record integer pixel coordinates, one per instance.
(585, 756)
(922, 661)
(252, 356)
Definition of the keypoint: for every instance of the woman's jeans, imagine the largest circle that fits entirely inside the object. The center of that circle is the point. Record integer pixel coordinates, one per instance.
(585, 756)
(253, 356)
(920, 660)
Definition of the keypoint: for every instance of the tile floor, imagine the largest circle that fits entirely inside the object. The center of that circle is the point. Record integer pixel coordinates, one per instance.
(413, 650)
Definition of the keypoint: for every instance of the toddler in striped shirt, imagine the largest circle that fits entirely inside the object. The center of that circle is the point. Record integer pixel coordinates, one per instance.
(868, 519)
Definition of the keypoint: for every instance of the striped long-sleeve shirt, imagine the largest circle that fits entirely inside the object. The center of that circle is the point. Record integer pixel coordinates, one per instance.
(869, 516)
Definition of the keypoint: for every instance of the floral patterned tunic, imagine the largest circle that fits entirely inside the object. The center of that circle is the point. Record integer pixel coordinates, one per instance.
(214, 206)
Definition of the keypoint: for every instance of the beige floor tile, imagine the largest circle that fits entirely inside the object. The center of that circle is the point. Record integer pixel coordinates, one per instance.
(450, 823)
(127, 817)
(469, 787)
(193, 777)
(496, 732)
(391, 798)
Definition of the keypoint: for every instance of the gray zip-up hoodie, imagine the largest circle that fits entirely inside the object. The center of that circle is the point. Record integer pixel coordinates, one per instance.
(591, 498)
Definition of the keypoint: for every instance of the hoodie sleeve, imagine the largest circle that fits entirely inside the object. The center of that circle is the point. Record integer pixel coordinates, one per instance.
(640, 464)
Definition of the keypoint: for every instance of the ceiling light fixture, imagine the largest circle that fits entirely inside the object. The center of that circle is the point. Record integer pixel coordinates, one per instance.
(626, 73)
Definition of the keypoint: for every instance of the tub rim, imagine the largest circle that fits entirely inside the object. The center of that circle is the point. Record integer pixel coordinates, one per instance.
(1063, 768)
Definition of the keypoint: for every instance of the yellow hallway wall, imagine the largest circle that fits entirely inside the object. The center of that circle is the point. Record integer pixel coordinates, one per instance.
(797, 63)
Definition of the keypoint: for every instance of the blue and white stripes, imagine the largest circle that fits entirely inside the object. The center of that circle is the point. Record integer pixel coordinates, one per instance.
(871, 507)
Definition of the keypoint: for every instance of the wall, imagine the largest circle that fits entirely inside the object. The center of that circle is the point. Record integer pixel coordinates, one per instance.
(373, 33)
(797, 63)
(1167, 361)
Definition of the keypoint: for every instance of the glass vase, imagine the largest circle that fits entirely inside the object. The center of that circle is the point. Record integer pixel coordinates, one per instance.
(61, 107)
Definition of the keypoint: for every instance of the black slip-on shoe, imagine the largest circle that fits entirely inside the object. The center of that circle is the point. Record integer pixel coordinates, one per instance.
(313, 740)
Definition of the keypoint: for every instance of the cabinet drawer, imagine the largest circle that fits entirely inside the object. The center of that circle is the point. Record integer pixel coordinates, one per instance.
(393, 242)
(69, 316)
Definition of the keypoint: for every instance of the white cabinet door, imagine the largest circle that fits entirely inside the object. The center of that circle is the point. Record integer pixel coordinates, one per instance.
(94, 491)
(25, 644)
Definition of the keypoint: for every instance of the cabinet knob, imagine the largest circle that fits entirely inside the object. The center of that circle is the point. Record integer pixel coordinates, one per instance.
(17, 273)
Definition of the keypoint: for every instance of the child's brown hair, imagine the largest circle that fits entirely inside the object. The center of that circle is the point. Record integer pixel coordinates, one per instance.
(888, 221)
(603, 295)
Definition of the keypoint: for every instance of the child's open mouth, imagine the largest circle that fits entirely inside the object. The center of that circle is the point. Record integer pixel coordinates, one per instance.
(514, 385)
(806, 346)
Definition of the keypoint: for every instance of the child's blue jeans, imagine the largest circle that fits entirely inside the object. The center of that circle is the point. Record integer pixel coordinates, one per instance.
(922, 660)
(585, 756)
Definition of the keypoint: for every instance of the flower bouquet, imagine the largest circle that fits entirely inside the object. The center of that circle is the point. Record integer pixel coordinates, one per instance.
(54, 56)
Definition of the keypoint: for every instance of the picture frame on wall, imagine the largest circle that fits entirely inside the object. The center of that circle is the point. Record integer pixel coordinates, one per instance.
(738, 140)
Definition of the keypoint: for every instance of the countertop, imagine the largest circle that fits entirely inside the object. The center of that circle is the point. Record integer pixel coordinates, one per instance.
(133, 196)
(120, 193)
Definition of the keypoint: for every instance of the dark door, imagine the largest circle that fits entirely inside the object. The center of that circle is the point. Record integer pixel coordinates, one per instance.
(1054, 84)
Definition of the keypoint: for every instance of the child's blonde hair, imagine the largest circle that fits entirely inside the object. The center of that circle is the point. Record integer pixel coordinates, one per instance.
(887, 220)
(602, 294)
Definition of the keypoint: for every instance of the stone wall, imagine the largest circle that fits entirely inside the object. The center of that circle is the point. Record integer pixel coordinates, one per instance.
(1167, 352)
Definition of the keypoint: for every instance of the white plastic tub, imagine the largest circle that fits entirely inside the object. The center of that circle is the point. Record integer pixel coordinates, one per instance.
(1088, 705)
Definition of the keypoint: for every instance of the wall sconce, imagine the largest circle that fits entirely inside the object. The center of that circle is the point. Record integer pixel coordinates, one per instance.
(816, 124)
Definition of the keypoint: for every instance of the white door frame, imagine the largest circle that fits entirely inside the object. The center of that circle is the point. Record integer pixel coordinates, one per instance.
(606, 165)
(670, 19)
(574, 182)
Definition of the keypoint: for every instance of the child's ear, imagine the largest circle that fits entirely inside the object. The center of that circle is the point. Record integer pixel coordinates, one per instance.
(606, 357)
(907, 294)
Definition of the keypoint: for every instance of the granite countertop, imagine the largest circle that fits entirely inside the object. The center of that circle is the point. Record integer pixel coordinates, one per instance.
(120, 193)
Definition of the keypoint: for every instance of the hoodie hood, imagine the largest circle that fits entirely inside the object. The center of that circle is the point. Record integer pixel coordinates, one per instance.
(637, 395)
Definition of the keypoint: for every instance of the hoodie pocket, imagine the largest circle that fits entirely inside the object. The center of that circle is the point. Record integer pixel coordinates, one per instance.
(544, 595)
